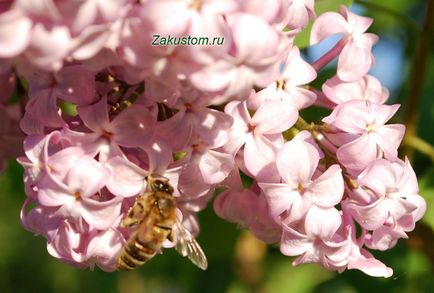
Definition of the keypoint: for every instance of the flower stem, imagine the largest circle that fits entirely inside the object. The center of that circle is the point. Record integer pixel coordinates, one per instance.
(420, 145)
(418, 72)
(386, 10)
(317, 134)
(330, 55)
(301, 124)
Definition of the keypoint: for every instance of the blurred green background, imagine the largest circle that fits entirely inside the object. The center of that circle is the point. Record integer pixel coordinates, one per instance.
(237, 262)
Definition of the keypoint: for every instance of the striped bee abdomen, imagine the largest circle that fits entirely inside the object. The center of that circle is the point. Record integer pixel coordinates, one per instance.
(152, 231)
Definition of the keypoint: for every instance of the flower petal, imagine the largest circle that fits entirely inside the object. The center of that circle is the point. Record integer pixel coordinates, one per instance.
(328, 189)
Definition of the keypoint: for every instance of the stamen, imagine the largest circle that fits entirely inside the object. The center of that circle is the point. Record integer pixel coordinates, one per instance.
(196, 4)
(280, 85)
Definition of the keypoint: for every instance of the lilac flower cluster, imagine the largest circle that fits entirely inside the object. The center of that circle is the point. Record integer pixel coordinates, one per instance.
(106, 108)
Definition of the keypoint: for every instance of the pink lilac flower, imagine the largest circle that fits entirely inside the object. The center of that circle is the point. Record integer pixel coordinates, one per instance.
(131, 128)
(367, 88)
(249, 209)
(392, 193)
(260, 134)
(106, 109)
(299, 192)
(242, 67)
(15, 30)
(355, 41)
(362, 126)
(289, 84)
(300, 12)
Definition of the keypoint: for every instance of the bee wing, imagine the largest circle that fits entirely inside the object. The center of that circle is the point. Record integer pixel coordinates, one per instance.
(187, 246)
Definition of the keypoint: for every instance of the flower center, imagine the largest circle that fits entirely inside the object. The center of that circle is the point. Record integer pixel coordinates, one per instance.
(369, 127)
(280, 85)
(77, 195)
(196, 4)
(107, 134)
(188, 107)
(300, 188)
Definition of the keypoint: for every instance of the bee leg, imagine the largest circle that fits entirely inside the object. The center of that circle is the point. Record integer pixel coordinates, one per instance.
(129, 222)
(171, 236)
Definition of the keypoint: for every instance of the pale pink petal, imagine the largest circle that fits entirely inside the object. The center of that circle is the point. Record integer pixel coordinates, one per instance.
(340, 91)
(372, 216)
(420, 204)
(374, 91)
(43, 107)
(358, 23)
(399, 207)
(240, 128)
(160, 15)
(301, 98)
(49, 46)
(294, 243)
(371, 266)
(87, 177)
(328, 189)
(191, 182)
(90, 41)
(322, 222)
(379, 176)
(279, 197)
(388, 138)
(298, 14)
(134, 126)
(274, 116)
(41, 221)
(95, 116)
(165, 130)
(53, 193)
(385, 238)
(76, 85)
(250, 32)
(214, 77)
(65, 245)
(59, 164)
(297, 71)
(352, 116)
(101, 214)
(297, 161)
(236, 206)
(327, 24)
(381, 113)
(14, 33)
(407, 183)
(127, 179)
(356, 155)
(104, 248)
(350, 68)
(215, 166)
(36, 146)
(213, 126)
(260, 156)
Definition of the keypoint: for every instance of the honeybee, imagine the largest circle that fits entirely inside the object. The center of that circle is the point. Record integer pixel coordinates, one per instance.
(154, 214)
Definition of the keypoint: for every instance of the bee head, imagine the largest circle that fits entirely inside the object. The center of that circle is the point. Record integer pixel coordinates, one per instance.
(160, 185)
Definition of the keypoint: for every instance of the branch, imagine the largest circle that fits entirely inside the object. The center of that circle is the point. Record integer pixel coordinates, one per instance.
(420, 145)
(386, 10)
(418, 72)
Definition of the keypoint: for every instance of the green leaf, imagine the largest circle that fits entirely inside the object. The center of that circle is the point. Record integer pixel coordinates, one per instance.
(426, 190)
(282, 276)
(321, 6)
